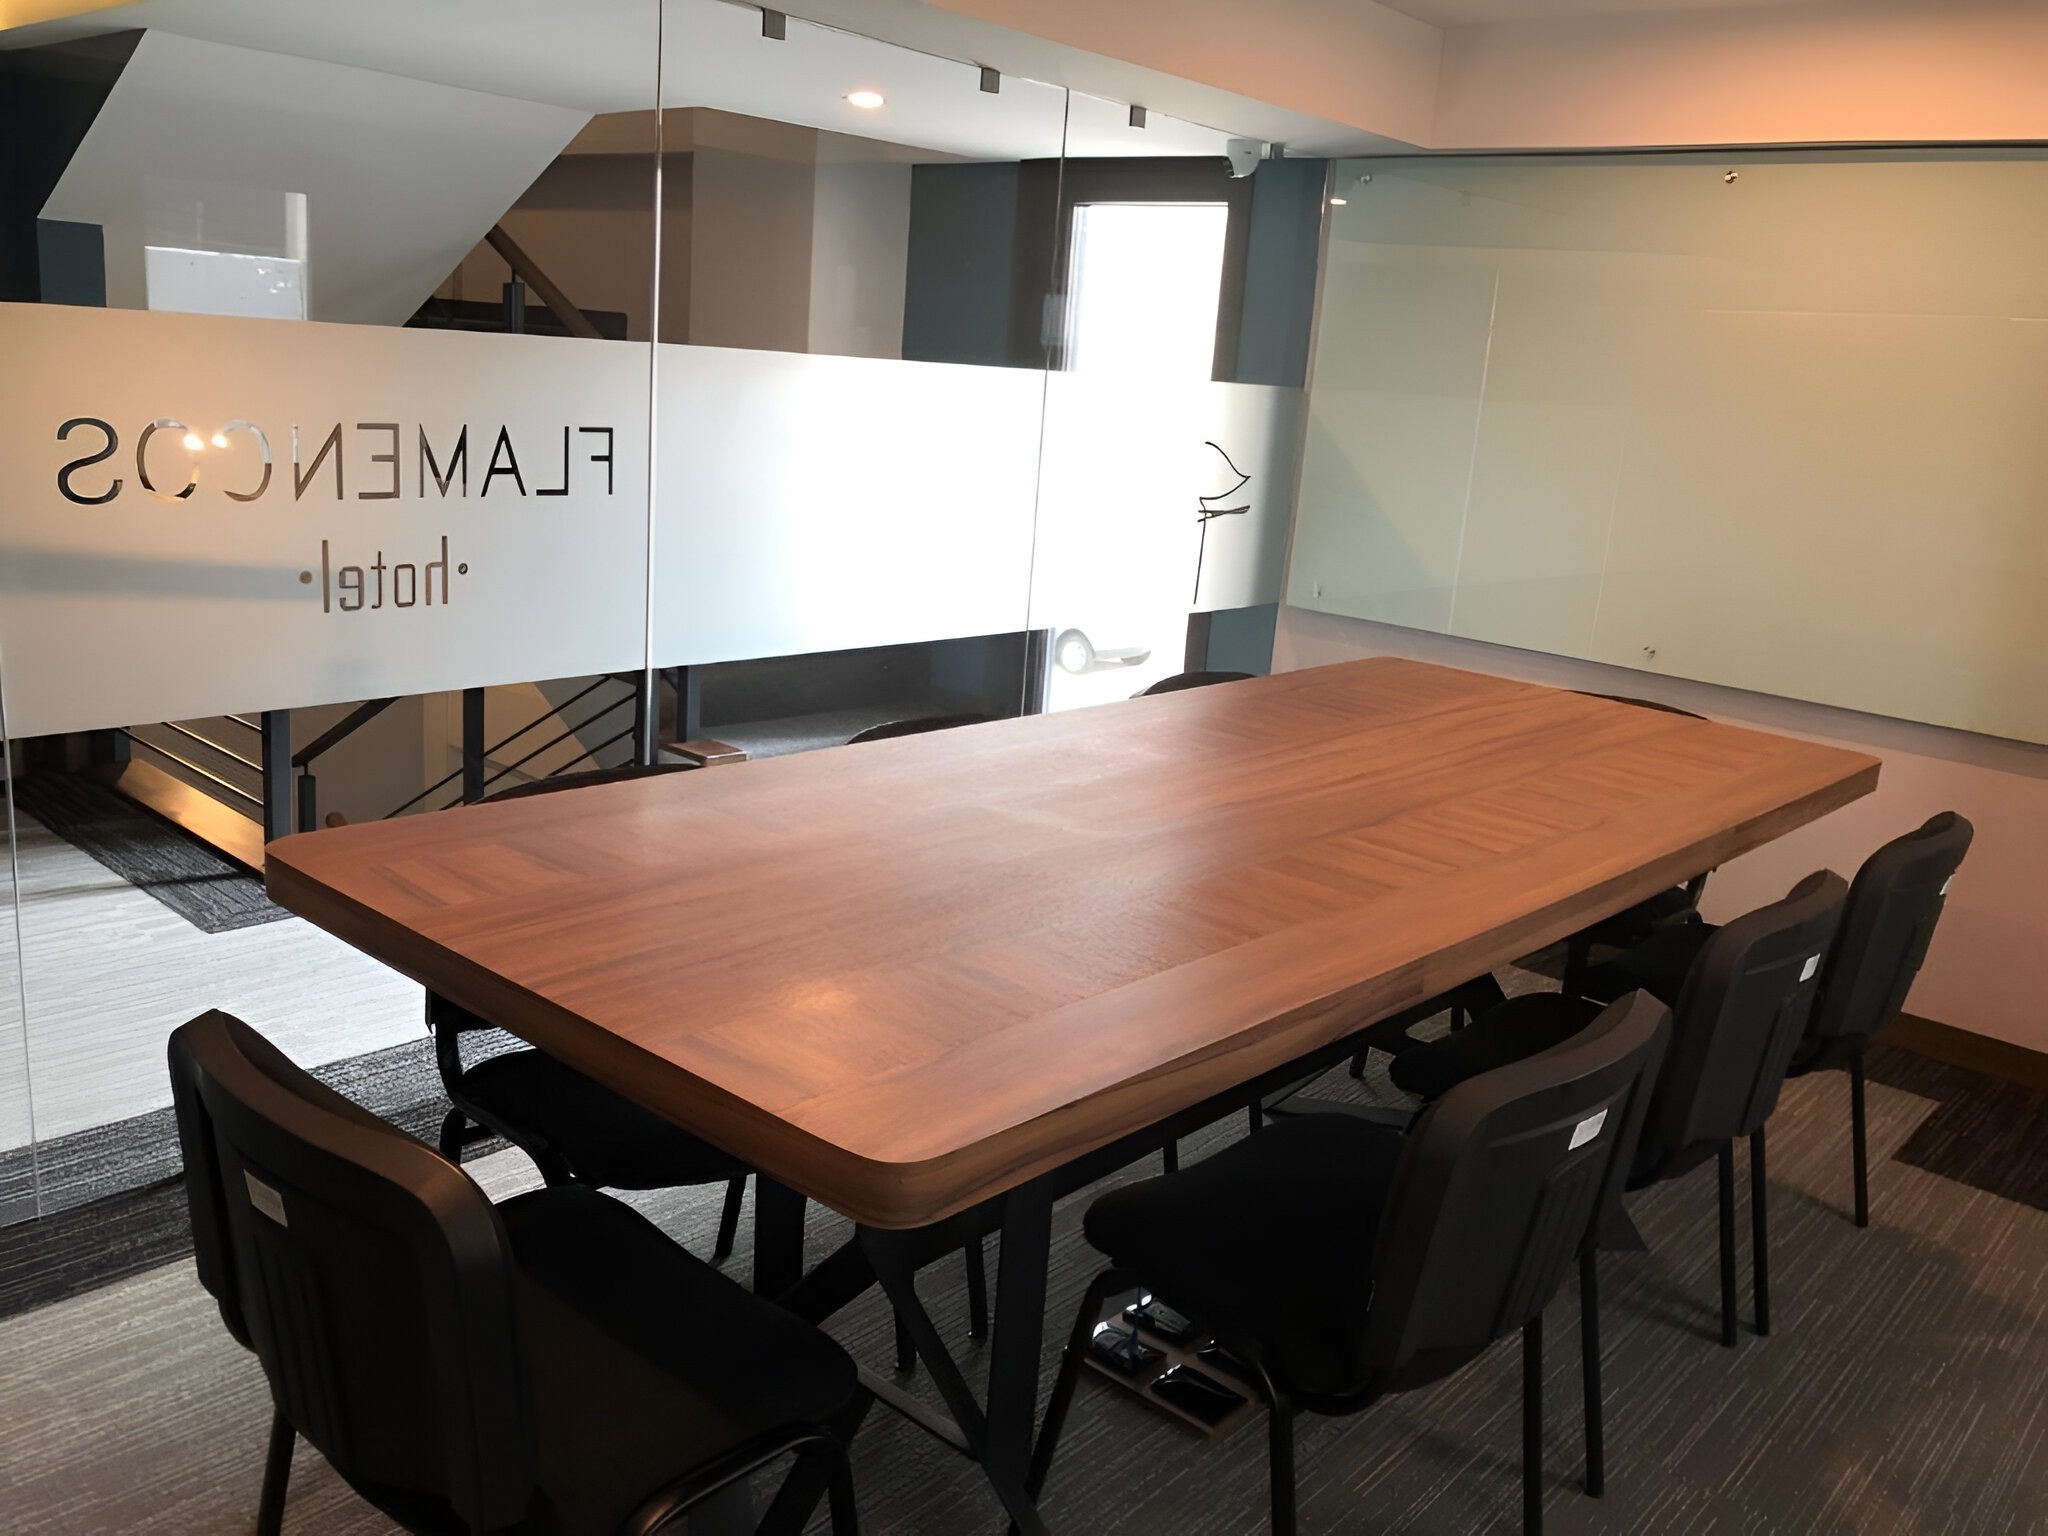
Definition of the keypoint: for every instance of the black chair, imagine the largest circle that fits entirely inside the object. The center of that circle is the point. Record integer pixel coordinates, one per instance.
(554, 1366)
(1894, 904)
(1678, 906)
(1737, 1021)
(576, 1130)
(917, 726)
(1182, 680)
(1342, 1261)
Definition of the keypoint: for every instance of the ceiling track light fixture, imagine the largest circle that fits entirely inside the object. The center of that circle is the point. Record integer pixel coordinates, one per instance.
(775, 24)
(991, 80)
(1137, 117)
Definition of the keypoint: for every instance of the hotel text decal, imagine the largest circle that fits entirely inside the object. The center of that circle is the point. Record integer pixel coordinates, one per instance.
(370, 459)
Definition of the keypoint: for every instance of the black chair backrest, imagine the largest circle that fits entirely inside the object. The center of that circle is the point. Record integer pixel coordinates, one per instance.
(372, 1279)
(1633, 703)
(1741, 1013)
(588, 777)
(1182, 680)
(916, 727)
(1894, 903)
(1499, 1189)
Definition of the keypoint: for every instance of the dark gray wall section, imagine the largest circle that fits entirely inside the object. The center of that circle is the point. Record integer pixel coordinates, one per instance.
(49, 96)
(956, 302)
(1241, 639)
(1280, 273)
(73, 262)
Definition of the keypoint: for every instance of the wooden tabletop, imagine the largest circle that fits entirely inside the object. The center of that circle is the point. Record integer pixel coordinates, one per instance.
(904, 976)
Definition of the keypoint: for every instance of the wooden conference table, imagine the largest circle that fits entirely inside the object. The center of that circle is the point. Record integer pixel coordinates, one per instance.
(943, 976)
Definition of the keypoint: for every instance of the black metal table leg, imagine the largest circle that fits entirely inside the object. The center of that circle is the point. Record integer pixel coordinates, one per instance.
(1016, 1347)
(778, 1237)
(999, 1434)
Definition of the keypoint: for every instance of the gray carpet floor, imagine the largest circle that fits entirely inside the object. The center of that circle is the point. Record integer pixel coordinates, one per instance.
(210, 891)
(1905, 1388)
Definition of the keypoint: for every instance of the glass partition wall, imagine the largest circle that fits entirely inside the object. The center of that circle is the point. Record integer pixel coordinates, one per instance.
(323, 495)
(398, 420)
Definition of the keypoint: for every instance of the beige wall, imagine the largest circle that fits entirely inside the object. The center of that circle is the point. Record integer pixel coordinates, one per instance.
(1988, 971)
(1349, 61)
(1884, 70)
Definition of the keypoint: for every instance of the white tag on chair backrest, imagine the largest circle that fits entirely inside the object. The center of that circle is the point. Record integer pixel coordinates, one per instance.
(1951, 880)
(1812, 965)
(1586, 1130)
(265, 1199)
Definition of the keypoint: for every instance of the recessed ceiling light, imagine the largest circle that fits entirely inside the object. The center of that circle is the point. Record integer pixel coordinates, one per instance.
(867, 101)
(1340, 202)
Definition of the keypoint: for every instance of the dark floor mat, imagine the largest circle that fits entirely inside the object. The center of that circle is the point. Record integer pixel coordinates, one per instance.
(206, 888)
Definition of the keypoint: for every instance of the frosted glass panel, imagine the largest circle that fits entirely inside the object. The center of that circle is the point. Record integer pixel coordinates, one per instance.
(1769, 421)
(246, 514)
(828, 503)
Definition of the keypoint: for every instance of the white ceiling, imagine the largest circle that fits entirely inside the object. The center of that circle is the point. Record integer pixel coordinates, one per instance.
(1465, 13)
(598, 56)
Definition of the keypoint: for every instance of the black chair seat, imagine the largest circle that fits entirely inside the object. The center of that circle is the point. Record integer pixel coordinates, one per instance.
(1657, 965)
(612, 1312)
(1517, 1029)
(1265, 1242)
(1633, 925)
(607, 1139)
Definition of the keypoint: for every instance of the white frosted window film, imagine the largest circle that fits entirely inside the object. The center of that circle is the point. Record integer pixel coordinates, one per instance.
(1770, 422)
(459, 509)
(1157, 498)
(1144, 287)
(827, 503)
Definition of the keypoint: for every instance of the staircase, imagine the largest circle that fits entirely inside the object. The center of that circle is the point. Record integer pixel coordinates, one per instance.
(206, 776)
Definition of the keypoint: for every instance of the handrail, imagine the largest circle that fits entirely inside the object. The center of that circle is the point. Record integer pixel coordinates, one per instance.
(558, 711)
(190, 767)
(591, 753)
(360, 716)
(207, 741)
(557, 740)
(574, 321)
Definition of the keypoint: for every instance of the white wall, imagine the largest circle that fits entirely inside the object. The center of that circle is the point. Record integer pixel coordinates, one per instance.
(860, 247)
(193, 128)
(1880, 70)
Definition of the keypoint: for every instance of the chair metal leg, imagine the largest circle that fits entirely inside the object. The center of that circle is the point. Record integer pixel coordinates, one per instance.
(845, 1518)
(1589, 1364)
(1725, 1162)
(1104, 1286)
(729, 1219)
(1280, 1438)
(1169, 1157)
(1256, 1117)
(1532, 1426)
(1358, 1065)
(1578, 954)
(906, 1351)
(1759, 1234)
(1858, 1138)
(452, 1127)
(277, 1472)
(977, 1290)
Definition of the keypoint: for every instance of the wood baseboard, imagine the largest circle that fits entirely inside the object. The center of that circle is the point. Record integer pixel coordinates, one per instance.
(2016, 1064)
